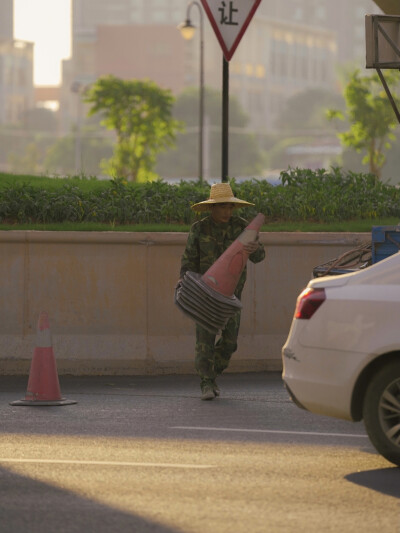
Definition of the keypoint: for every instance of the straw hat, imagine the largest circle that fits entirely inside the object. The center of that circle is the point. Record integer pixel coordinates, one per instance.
(220, 193)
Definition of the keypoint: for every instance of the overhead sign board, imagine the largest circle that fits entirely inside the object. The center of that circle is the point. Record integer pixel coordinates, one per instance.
(229, 19)
(382, 37)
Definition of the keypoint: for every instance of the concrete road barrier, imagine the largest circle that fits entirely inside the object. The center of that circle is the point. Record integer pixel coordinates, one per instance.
(109, 296)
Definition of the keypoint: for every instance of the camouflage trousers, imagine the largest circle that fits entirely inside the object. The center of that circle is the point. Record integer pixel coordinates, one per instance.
(212, 358)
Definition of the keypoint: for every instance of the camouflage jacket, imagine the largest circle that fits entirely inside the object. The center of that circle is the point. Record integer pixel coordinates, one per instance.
(208, 240)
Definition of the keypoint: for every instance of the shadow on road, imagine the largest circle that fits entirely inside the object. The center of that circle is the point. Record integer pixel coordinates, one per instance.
(49, 508)
(384, 480)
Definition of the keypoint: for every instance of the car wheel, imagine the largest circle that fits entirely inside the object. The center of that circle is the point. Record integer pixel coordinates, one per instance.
(381, 412)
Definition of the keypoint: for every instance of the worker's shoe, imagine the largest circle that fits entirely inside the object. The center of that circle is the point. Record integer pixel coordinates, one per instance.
(207, 392)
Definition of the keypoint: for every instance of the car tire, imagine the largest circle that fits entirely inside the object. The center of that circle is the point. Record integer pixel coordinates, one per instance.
(381, 411)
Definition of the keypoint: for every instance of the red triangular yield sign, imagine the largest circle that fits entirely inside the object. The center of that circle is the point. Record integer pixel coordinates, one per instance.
(230, 19)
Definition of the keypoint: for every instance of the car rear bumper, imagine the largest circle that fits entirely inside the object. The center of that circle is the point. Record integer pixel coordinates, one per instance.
(321, 382)
(292, 396)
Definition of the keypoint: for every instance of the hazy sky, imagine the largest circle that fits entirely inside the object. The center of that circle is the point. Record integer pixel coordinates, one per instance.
(47, 24)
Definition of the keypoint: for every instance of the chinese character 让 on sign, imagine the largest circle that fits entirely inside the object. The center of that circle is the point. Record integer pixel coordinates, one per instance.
(227, 13)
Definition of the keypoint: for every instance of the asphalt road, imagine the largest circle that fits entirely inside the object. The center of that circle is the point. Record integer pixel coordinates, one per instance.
(144, 454)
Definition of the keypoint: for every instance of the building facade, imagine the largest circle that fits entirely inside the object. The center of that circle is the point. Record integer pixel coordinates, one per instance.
(126, 38)
(6, 20)
(16, 70)
(288, 47)
(293, 46)
(16, 81)
(276, 60)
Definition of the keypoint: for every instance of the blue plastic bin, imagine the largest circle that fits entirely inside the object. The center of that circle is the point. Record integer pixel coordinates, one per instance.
(385, 242)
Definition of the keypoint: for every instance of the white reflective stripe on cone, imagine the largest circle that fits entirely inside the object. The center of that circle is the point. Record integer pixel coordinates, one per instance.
(43, 339)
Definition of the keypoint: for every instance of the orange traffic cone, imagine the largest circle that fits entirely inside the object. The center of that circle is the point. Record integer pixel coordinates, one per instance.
(43, 385)
(209, 299)
(223, 276)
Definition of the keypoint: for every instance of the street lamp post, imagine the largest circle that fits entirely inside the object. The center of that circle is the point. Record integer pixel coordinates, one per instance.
(187, 30)
(78, 88)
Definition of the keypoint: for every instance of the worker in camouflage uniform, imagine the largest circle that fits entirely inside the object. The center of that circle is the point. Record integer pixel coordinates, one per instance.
(207, 240)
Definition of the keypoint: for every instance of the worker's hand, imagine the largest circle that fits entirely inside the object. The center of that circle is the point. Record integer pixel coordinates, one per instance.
(251, 247)
(179, 283)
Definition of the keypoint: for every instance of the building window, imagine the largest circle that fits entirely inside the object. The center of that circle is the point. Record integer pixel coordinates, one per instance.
(249, 70)
(136, 16)
(160, 16)
(320, 13)
(298, 11)
(260, 71)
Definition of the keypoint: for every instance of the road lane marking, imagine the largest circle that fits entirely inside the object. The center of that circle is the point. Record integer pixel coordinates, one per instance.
(100, 463)
(276, 431)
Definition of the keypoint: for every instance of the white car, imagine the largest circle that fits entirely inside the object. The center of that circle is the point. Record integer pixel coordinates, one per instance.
(342, 355)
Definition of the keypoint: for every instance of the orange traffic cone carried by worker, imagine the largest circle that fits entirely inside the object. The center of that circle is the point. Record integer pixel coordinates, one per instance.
(209, 299)
(223, 276)
(43, 385)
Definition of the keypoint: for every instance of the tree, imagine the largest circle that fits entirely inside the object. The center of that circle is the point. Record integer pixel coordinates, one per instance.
(140, 112)
(61, 155)
(371, 118)
(27, 162)
(302, 122)
(245, 155)
(305, 110)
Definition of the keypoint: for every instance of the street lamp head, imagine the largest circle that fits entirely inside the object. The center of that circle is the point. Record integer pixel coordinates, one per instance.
(187, 29)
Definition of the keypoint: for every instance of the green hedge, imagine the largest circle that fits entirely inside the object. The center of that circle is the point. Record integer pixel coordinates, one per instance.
(302, 195)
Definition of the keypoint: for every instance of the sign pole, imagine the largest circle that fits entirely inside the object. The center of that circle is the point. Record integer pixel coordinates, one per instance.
(225, 119)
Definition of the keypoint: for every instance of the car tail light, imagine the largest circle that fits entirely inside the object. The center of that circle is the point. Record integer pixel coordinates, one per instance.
(308, 302)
